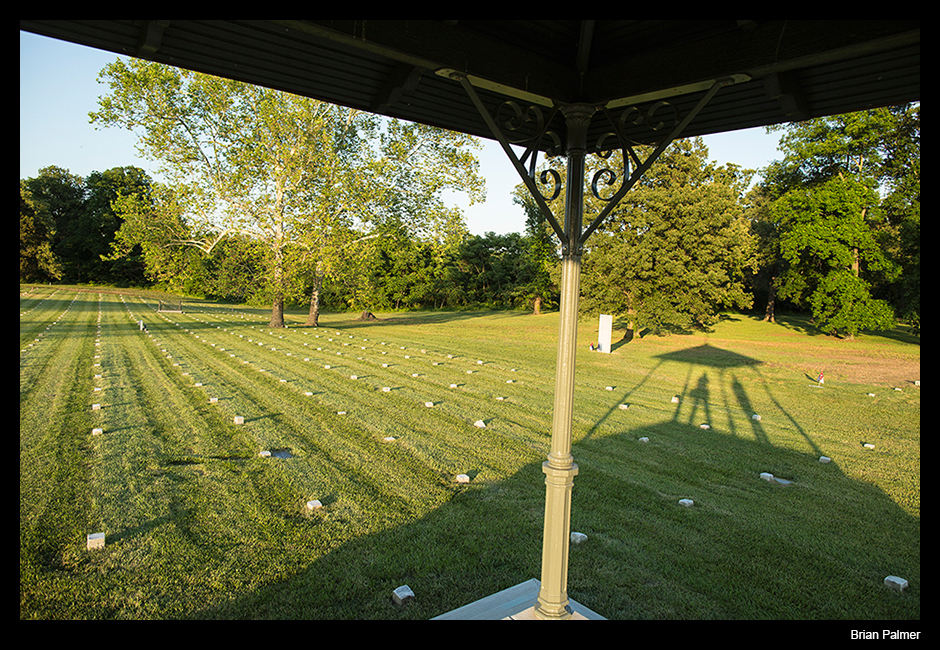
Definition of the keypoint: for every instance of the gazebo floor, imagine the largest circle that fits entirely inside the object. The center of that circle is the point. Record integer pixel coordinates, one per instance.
(513, 604)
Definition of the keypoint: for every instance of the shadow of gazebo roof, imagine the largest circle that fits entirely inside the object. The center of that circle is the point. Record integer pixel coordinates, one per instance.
(707, 355)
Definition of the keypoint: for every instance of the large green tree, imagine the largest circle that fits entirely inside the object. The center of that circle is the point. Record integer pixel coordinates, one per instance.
(58, 198)
(303, 178)
(38, 262)
(676, 251)
(845, 208)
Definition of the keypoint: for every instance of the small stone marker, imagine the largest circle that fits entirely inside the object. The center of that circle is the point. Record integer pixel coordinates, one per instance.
(463, 478)
(453, 385)
(353, 377)
(314, 504)
(686, 502)
(825, 459)
(429, 404)
(608, 388)
(385, 389)
(675, 399)
(896, 583)
(767, 476)
(264, 454)
(213, 400)
(96, 540)
(755, 417)
(96, 432)
(480, 423)
(868, 445)
(96, 407)
(403, 595)
(577, 538)
(704, 426)
(643, 439)
(239, 419)
(388, 439)
(624, 407)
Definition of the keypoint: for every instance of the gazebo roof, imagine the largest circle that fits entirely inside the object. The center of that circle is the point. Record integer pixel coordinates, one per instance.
(783, 70)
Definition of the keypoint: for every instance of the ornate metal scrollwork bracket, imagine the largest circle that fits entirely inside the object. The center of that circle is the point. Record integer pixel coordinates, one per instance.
(634, 168)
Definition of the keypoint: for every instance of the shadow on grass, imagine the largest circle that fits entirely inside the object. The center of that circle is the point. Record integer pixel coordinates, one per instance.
(747, 549)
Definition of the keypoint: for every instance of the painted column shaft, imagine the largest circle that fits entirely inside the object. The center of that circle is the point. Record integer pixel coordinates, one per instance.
(560, 469)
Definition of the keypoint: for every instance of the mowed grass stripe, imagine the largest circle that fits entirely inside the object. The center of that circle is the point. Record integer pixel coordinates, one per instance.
(227, 533)
(54, 430)
(166, 513)
(335, 388)
(278, 417)
(523, 407)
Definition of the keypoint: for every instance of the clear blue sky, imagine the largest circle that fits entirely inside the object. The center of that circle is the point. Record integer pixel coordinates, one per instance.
(58, 89)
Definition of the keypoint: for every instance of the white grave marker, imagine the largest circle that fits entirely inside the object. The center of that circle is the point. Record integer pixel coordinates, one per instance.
(96, 540)
(402, 595)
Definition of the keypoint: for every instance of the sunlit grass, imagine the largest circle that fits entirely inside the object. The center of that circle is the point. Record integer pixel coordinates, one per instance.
(200, 526)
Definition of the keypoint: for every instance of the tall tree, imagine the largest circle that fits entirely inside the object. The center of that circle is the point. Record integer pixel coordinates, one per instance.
(540, 286)
(239, 158)
(298, 175)
(37, 261)
(838, 237)
(58, 198)
(675, 252)
(98, 224)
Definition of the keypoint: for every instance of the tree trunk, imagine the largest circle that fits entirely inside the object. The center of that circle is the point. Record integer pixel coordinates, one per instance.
(277, 311)
(538, 305)
(313, 317)
(771, 297)
(277, 308)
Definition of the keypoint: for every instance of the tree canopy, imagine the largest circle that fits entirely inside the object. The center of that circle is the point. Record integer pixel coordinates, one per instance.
(265, 196)
(299, 176)
(845, 209)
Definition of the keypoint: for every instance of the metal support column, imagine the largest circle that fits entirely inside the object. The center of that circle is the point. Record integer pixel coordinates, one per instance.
(560, 469)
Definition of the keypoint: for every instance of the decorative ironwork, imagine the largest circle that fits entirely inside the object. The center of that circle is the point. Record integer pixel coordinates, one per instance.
(636, 116)
(634, 168)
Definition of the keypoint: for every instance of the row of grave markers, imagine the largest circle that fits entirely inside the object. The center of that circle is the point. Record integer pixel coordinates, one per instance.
(97, 540)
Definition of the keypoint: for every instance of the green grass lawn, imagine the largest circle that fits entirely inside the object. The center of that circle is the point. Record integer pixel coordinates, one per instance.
(199, 525)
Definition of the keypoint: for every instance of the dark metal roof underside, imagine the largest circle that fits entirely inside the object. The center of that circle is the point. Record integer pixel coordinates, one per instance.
(795, 69)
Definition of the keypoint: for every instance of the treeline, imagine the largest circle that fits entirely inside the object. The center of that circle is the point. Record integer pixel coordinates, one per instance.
(323, 208)
(68, 230)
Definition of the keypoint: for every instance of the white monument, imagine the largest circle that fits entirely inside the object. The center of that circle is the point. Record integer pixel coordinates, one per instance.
(603, 333)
